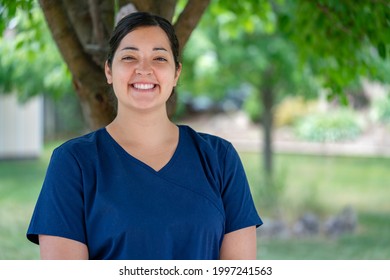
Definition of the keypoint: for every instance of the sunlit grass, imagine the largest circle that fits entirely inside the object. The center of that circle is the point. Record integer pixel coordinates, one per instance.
(19, 186)
(330, 182)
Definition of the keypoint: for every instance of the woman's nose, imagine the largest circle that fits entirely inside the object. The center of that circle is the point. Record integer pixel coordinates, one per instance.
(143, 68)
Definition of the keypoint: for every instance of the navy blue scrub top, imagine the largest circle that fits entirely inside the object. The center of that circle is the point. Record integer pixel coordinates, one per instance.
(98, 194)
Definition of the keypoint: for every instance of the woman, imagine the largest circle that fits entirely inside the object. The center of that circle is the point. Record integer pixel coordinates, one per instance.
(143, 187)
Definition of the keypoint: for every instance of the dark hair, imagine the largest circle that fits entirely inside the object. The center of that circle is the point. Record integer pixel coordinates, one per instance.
(142, 19)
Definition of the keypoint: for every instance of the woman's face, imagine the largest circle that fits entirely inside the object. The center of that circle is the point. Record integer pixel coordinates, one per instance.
(143, 71)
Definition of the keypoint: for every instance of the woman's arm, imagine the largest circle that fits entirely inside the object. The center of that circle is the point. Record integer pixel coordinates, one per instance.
(59, 248)
(239, 245)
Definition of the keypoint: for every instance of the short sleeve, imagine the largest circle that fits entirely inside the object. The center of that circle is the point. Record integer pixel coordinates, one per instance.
(59, 210)
(239, 207)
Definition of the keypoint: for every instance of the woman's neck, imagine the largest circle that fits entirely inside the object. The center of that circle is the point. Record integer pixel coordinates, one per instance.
(151, 139)
(142, 129)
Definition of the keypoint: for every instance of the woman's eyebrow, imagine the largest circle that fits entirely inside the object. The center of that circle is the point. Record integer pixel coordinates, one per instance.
(160, 49)
(130, 48)
(137, 49)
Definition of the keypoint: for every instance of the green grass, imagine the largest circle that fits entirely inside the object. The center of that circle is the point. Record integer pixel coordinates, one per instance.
(371, 242)
(20, 183)
(323, 185)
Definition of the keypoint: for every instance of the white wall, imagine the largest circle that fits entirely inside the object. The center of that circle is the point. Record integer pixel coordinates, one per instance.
(21, 127)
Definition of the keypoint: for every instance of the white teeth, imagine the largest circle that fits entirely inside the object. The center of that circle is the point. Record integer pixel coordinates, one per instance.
(144, 86)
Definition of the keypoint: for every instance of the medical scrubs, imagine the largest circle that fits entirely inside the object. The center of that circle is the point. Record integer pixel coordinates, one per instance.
(121, 208)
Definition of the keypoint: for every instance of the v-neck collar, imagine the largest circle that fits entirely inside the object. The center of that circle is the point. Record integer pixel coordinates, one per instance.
(140, 162)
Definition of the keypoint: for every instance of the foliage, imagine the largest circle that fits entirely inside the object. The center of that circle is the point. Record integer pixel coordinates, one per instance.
(332, 126)
(23, 68)
(10, 8)
(253, 107)
(307, 43)
(236, 46)
(210, 67)
(339, 38)
(200, 67)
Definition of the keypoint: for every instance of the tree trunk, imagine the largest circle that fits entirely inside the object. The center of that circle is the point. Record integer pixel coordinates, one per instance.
(97, 102)
(88, 77)
(81, 29)
(267, 98)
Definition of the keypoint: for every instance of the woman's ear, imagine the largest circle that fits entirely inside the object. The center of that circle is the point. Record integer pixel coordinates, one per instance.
(108, 72)
(178, 71)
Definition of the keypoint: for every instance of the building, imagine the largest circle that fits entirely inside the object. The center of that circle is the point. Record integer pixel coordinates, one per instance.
(21, 127)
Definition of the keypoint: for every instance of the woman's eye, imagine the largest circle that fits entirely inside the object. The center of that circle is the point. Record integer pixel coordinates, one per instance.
(162, 59)
(128, 58)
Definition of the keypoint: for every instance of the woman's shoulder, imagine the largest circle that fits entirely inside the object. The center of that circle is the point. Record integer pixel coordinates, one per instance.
(206, 140)
(84, 143)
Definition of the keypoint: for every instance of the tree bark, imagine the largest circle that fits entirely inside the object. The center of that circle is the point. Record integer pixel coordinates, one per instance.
(88, 78)
(164, 8)
(189, 19)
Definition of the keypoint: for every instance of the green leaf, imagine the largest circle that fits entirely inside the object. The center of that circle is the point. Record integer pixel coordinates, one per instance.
(382, 50)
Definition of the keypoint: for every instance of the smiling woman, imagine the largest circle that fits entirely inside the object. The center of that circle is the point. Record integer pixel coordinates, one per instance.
(143, 74)
(143, 187)
(144, 63)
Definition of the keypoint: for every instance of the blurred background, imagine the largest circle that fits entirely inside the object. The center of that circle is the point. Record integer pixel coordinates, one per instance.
(301, 89)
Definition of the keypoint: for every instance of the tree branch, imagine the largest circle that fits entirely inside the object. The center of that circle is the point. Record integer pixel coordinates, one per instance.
(167, 10)
(332, 14)
(89, 20)
(189, 19)
(97, 24)
(71, 48)
(77, 12)
(143, 5)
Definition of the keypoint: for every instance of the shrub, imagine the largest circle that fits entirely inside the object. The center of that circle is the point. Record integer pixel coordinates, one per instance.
(290, 109)
(381, 109)
(328, 127)
(253, 107)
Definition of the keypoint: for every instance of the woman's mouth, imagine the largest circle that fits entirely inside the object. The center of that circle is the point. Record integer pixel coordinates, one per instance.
(143, 86)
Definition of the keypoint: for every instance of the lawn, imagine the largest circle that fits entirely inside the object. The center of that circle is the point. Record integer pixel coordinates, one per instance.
(322, 185)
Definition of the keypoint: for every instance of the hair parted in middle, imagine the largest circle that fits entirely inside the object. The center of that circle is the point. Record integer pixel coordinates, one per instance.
(142, 19)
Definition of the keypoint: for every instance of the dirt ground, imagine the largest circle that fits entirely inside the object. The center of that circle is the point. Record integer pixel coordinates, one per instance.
(246, 136)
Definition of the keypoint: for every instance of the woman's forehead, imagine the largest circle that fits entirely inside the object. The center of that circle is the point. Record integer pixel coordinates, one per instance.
(153, 37)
